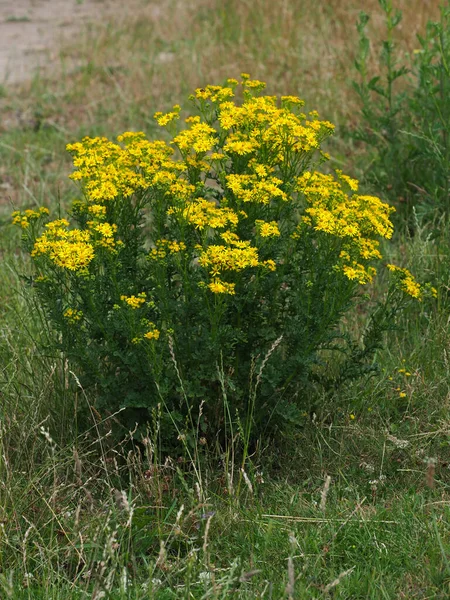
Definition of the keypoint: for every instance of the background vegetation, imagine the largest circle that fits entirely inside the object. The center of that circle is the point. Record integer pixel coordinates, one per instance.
(355, 503)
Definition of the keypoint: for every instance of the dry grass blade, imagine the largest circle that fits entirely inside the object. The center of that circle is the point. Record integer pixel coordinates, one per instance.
(326, 488)
(338, 580)
(290, 587)
(325, 520)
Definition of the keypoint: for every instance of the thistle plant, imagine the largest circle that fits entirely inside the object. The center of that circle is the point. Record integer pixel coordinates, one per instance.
(217, 243)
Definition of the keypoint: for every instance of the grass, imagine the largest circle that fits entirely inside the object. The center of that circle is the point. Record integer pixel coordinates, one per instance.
(81, 517)
(17, 19)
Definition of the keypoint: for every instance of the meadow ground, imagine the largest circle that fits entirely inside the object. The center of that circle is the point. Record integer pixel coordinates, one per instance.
(355, 503)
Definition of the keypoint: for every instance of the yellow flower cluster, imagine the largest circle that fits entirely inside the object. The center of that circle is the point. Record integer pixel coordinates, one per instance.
(200, 138)
(216, 93)
(354, 219)
(163, 247)
(267, 229)
(203, 213)
(251, 188)
(108, 170)
(23, 218)
(103, 234)
(97, 210)
(407, 282)
(236, 256)
(224, 258)
(153, 334)
(165, 119)
(259, 125)
(73, 249)
(73, 316)
(135, 301)
(68, 249)
(288, 101)
(255, 151)
(217, 286)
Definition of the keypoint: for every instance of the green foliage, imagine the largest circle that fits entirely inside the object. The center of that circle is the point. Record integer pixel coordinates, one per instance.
(218, 279)
(406, 116)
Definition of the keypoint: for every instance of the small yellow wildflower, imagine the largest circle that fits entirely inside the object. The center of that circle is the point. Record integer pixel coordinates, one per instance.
(200, 138)
(269, 264)
(152, 335)
(225, 258)
(288, 100)
(97, 210)
(267, 229)
(221, 287)
(407, 283)
(68, 249)
(165, 119)
(204, 213)
(72, 315)
(164, 247)
(23, 218)
(134, 301)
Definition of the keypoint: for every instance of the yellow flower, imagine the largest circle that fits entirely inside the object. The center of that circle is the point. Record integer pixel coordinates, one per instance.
(97, 210)
(134, 301)
(251, 188)
(224, 258)
(221, 287)
(204, 213)
(23, 218)
(165, 119)
(406, 281)
(288, 100)
(153, 334)
(72, 315)
(68, 249)
(200, 138)
(166, 246)
(267, 229)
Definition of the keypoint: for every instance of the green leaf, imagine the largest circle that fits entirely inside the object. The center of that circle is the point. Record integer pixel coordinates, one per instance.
(364, 18)
(399, 73)
(397, 18)
(364, 48)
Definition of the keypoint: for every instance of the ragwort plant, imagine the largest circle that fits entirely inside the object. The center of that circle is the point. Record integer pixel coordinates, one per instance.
(209, 275)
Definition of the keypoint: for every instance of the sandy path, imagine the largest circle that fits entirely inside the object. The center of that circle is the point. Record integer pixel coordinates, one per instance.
(32, 31)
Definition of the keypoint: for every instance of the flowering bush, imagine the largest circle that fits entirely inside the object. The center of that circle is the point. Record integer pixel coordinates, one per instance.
(212, 267)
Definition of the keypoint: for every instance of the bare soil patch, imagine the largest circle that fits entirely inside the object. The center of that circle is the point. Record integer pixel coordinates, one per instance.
(32, 32)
